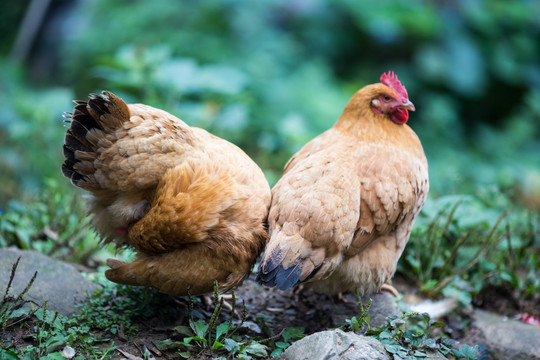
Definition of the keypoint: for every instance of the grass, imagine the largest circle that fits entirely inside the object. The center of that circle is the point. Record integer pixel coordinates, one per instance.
(463, 245)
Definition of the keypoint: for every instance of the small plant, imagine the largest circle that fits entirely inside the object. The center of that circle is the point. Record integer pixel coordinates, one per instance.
(288, 335)
(412, 336)
(201, 336)
(53, 224)
(359, 323)
(51, 331)
(12, 311)
(408, 337)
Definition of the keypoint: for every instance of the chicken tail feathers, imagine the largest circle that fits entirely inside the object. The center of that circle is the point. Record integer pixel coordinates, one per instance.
(283, 264)
(89, 122)
(290, 260)
(275, 274)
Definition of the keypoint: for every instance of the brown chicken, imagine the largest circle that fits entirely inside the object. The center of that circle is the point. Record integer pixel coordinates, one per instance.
(343, 210)
(192, 205)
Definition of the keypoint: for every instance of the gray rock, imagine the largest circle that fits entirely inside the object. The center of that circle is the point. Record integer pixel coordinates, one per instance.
(382, 305)
(60, 284)
(326, 345)
(336, 344)
(508, 339)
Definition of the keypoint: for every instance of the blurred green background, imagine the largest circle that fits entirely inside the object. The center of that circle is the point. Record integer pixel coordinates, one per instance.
(270, 75)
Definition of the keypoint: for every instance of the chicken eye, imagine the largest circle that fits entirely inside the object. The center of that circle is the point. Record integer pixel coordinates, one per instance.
(386, 98)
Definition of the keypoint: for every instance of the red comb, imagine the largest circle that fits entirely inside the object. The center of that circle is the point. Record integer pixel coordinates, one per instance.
(390, 79)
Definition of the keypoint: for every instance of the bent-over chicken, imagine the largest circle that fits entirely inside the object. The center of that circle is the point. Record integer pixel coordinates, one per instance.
(192, 205)
(343, 210)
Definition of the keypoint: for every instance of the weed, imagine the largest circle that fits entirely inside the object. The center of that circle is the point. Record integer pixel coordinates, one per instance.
(359, 323)
(12, 309)
(201, 336)
(410, 336)
(51, 331)
(460, 246)
(54, 224)
(222, 339)
(288, 335)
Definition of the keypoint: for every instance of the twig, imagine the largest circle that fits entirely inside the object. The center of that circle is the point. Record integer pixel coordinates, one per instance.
(272, 338)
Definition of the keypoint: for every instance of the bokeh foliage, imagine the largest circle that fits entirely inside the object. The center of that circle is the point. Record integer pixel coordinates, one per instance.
(271, 75)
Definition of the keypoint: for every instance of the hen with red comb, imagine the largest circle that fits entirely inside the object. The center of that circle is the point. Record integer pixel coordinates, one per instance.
(344, 208)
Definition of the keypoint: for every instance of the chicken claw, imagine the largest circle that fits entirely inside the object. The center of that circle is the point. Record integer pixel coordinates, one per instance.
(392, 290)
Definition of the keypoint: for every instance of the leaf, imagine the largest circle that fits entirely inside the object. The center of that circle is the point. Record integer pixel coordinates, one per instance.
(18, 313)
(276, 352)
(257, 349)
(437, 324)
(216, 345)
(429, 285)
(199, 326)
(293, 333)
(184, 330)
(450, 342)
(354, 323)
(185, 354)
(469, 352)
(429, 343)
(222, 329)
(6, 354)
(419, 354)
(231, 346)
(392, 349)
(282, 345)
(397, 323)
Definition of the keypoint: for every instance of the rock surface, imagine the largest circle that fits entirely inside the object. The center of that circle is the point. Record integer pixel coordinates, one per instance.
(336, 344)
(60, 284)
(508, 339)
(326, 345)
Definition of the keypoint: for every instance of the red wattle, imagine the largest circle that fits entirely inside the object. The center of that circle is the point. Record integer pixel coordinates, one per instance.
(400, 116)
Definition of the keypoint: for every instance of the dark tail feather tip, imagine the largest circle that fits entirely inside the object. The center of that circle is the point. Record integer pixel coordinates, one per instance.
(280, 277)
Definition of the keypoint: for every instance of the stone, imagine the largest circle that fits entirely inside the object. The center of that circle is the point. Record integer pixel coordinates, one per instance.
(336, 344)
(58, 283)
(506, 338)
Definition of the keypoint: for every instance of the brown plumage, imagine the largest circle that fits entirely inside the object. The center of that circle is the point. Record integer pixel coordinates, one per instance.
(192, 205)
(344, 208)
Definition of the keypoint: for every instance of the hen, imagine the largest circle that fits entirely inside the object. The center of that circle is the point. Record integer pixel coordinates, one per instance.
(343, 210)
(192, 205)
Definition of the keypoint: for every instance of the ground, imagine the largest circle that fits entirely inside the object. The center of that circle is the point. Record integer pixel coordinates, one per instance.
(274, 308)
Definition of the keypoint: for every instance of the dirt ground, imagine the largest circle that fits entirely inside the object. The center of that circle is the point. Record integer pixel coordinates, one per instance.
(273, 308)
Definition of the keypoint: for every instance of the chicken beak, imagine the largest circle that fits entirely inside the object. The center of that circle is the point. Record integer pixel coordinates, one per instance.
(407, 104)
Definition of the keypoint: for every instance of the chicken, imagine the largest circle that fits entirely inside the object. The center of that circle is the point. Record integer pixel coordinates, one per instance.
(193, 205)
(343, 210)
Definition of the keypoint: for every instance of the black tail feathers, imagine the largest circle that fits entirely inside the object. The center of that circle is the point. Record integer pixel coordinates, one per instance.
(94, 114)
(272, 274)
